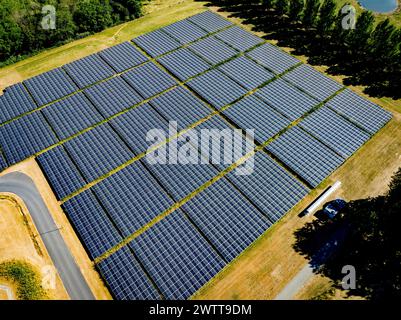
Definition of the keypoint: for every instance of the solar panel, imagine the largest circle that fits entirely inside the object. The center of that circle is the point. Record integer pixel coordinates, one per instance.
(183, 63)
(14, 102)
(253, 113)
(239, 38)
(25, 136)
(361, 111)
(71, 115)
(229, 221)
(273, 58)
(134, 126)
(182, 106)
(210, 21)
(61, 172)
(177, 257)
(91, 223)
(313, 82)
(123, 56)
(270, 187)
(286, 99)
(218, 89)
(149, 80)
(156, 43)
(113, 96)
(305, 155)
(246, 72)
(132, 197)
(184, 31)
(3, 163)
(50, 86)
(98, 151)
(88, 70)
(213, 50)
(125, 277)
(335, 131)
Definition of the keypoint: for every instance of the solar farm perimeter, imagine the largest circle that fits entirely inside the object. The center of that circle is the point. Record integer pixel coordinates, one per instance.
(163, 231)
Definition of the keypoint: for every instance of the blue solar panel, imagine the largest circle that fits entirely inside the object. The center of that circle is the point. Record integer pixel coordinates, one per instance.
(213, 50)
(177, 257)
(149, 80)
(91, 223)
(305, 155)
(3, 163)
(210, 21)
(287, 99)
(113, 96)
(183, 63)
(270, 187)
(313, 82)
(361, 111)
(156, 43)
(182, 106)
(88, 70)
(335, 131)
(273, 58)
(71, 115)
(25, 136)
(184, 31)
(228, 220)
(14, 102)
(50, 86)
(132, 197)
(239, 38)
(123, 56)
(61, 172)
(98, 151)
(246, 72)
(218, 89)
(134, 125)
(253, 113)
(125, 277)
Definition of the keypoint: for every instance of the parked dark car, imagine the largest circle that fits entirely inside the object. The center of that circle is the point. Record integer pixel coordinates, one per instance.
(334, 207)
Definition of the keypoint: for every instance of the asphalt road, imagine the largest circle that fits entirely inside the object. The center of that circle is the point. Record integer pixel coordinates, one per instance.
(23, 186)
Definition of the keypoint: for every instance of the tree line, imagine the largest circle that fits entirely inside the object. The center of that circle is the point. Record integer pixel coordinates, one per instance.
(21, 31)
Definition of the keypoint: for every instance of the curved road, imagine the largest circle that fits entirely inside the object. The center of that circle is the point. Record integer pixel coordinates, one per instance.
(23, 186)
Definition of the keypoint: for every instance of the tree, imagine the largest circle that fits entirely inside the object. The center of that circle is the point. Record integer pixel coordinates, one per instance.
(282, 7)
(268, 4)
(327, 17)
(92, 15)
(295, 10)
(311, 12)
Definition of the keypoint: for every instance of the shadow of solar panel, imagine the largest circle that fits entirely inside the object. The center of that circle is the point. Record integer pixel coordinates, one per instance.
(3, 163)
(156, 43)
(25, 136)
(361, 111)
(313, 82)
(239, 38)
(273, 58)
(226, 218)
(335, 131)
(183, 63)
(246, 72)
(305, 155)
(61, 172)
(71, 115)
(149, 80)
(218, 89)
(210, 21)
(50, 86)
(213, 50)
(132, 197)
(98, 151)
(14, 102)
(270, 187)
(184, 31)
(252, 113)
(113, 96)
(125, 277)
(176, 256)
(136, 127)
(286, 99)
(182, 106)
(88, 70)
(123, 56)
(91, 223)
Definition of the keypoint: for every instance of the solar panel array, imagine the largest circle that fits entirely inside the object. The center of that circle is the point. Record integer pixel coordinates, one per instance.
(156, 43)
(238, 38)
(213, 50)
(3, 162)
(185, 31)
(210, 21)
